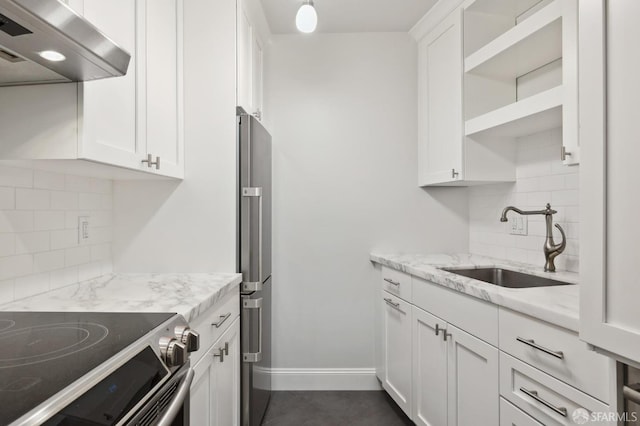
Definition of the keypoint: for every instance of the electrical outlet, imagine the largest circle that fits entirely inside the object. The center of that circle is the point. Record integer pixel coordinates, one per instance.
(518, 225)
(83, 229)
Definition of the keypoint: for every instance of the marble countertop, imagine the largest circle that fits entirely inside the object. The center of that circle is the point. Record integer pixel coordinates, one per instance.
(185, 294)
(557, 305)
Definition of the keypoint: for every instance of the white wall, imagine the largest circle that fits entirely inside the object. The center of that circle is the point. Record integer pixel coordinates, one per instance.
(39, 247)
(541, 178)
(190, 226)
(342, 112)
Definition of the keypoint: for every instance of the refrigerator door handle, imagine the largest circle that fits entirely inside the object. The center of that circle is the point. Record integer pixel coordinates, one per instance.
(255, 192)
(254, 304)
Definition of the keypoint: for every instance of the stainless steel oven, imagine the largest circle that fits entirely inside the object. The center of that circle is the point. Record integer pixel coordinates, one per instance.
(109, 369)
(170, 405)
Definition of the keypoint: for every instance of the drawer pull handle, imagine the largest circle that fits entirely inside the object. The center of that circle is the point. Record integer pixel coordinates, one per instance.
(392, 282)
(534, 394)
(395, 306)
(222, 320)
(533, 344)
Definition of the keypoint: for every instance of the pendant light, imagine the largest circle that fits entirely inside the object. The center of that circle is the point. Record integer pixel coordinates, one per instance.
(307, 18)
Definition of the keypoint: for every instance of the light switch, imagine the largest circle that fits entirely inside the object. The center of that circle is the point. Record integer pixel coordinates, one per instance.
(518, 225)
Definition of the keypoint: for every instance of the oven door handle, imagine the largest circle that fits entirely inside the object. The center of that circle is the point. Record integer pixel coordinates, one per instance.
(178, 400)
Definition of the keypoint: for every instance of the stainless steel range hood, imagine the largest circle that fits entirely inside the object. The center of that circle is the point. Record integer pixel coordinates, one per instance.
(30, 27)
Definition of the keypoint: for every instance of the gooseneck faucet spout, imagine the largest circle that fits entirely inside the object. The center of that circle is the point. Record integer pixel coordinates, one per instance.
(551, 249)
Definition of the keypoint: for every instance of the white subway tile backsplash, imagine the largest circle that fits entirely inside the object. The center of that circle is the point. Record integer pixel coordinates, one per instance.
(540, 178)
(7, 198)
(32, 242)
(48, 220)
(7, 244)
(64, 238)
(15, 266)
(32, 199)
(16, 221)
(39, 246)
(16, 177)
(48, 261)
(61, 200)
(48, 180)
(77, 256)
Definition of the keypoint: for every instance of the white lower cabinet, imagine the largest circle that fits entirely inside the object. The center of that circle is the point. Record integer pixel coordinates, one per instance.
(429, 369)
(441, 374)
(455, 375)
(396, 325)
(215, 392)
(472, 380)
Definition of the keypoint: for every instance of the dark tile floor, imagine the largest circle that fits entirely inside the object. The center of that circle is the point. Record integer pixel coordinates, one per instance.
(297, 408)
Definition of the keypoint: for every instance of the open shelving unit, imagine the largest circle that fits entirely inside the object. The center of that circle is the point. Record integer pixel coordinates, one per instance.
(533, 43)
(516, 80)
(531, 115)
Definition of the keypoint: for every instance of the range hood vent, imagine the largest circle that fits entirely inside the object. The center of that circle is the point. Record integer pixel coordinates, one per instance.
(45, 41)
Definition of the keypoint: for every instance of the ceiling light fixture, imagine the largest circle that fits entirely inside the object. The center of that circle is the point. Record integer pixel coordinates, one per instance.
(52, 55)
(307, 18)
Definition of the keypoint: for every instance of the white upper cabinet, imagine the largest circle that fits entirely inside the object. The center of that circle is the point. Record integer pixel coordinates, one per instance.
(440, 102)
(160, 106)
(609, 197)
(249, 55)
(488, 73)
(117, 121)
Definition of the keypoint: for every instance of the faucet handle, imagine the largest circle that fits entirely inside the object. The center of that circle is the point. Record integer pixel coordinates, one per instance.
(559, 248)
(549, 210)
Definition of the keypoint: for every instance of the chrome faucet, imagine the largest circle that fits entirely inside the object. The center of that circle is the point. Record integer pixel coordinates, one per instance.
(551, 249)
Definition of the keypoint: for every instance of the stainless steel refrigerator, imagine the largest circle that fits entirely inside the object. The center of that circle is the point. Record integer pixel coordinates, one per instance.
(254, 262)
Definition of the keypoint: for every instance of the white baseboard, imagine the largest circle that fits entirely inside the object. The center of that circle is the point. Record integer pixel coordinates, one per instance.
(324, 379)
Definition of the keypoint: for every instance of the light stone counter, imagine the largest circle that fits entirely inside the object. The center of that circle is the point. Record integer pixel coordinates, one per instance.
(557, 305)
(185, 294)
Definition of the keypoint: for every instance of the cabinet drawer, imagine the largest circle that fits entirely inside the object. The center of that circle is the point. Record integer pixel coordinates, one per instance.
(547, 399)
(556, 351)
(223, 314)
(397, 283)
(510, 415)
(472, 315)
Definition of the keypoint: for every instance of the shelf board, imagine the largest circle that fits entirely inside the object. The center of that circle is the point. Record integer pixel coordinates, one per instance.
(531, 115)
(527, 46)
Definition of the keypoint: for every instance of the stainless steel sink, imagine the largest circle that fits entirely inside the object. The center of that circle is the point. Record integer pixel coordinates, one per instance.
(505, 277)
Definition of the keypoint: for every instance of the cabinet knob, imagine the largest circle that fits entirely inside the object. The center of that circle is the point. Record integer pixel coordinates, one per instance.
(222, 352)
(150, 162)
(454, 174)
(564, 153)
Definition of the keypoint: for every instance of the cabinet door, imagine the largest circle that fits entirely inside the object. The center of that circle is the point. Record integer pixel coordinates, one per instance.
(473, 388)
(429, 369)
(244, 58)
(107, 108)
(226, 386)
(201, 395)
(256, 76)
(160, 124)
(610, 200)
(215, 392)
(397, 340)
(440, 103)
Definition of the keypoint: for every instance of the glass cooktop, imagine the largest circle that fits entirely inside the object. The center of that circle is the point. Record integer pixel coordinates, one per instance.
(41, 353)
